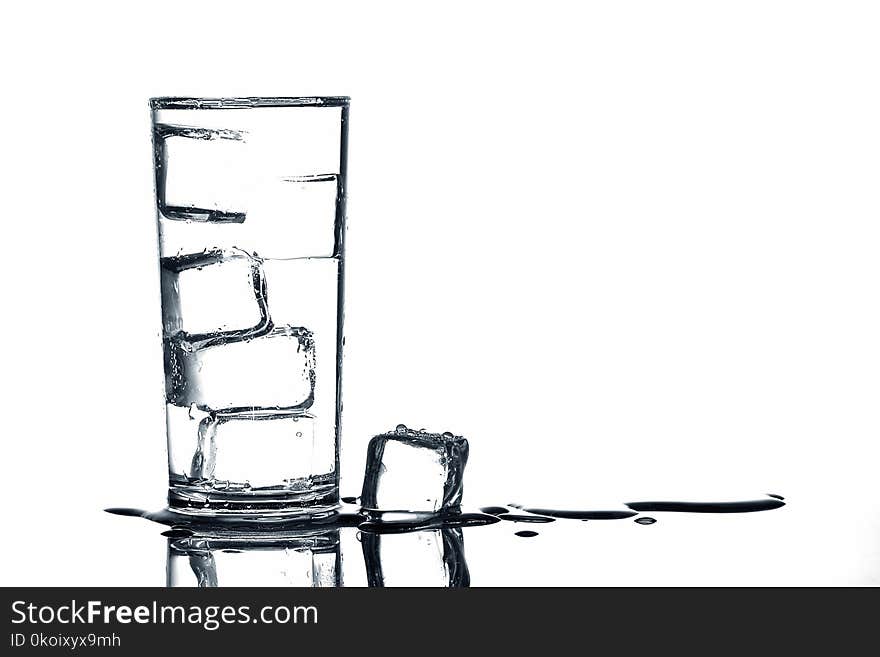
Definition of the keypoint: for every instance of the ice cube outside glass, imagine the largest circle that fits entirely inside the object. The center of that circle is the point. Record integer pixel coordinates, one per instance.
(414, 472)
(250, 200)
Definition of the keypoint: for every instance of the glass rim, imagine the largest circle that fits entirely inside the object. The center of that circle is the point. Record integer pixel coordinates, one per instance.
(246, 102)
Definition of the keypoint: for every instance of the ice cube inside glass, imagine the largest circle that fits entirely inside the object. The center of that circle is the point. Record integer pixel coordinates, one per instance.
(213, 293)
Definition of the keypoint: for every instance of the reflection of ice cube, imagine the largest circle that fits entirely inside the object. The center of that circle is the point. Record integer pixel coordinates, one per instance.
(414, 471)
(274, 370)
(213, 294)
(305, 559)
(423, 558)
(201, 173)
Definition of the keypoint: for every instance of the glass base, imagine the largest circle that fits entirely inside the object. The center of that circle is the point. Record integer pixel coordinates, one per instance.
(319, 500)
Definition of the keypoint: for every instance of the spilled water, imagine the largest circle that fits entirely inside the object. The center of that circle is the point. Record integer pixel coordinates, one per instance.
(494, 510)
(518, 517)
(709, 507)
(190, 524)
(184, 524)
(199, 546)
(416, 521)
(582, 515)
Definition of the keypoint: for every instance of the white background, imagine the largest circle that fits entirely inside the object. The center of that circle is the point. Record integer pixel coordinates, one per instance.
(628, 249)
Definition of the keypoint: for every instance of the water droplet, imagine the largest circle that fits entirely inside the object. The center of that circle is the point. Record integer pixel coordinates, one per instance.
(400, 428)
(494, 510)
(526, 533)
(299, 434)
(645, 520)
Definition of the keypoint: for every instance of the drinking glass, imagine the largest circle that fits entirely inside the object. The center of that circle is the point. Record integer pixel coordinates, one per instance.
(250, 198)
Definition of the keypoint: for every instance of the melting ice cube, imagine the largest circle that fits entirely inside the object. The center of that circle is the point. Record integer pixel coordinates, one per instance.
(414, 471)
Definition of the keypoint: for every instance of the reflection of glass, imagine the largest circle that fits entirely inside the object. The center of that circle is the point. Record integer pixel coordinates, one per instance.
(250, 197)
(433, 557)
(304, 560)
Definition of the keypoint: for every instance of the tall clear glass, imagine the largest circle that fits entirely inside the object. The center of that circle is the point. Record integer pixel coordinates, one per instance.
(250, 197)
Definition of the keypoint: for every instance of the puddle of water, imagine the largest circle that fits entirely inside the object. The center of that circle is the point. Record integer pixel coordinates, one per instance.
(749, 506)
(185, 524)
(582, 515)
(250, 526)
(392, 524)
(389, 523)
(494, 510)
(521, 517)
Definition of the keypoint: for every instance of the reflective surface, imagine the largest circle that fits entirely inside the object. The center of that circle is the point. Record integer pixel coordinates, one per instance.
(724, 542)
(816, 539)
(307, 558)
